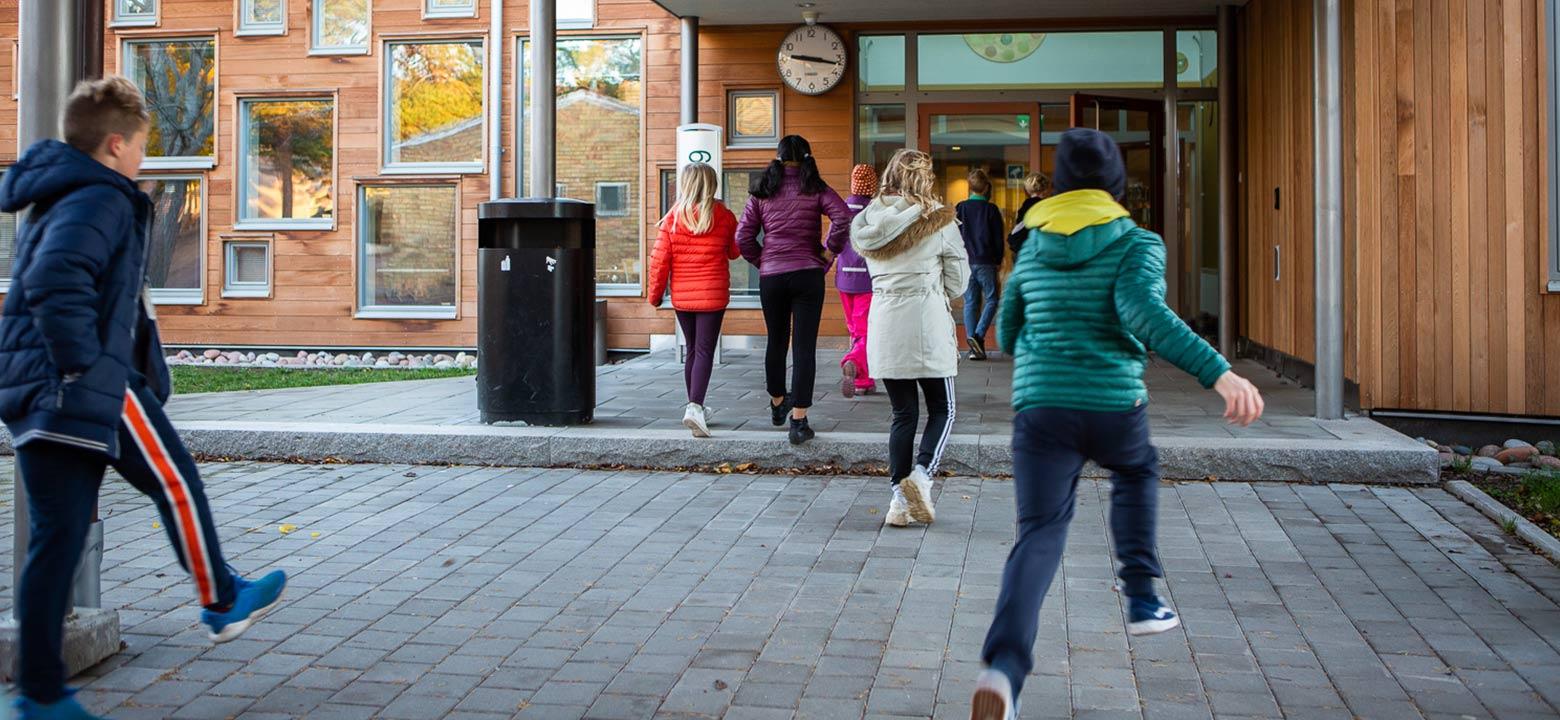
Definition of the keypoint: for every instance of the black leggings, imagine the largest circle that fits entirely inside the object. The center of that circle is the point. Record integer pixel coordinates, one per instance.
(793, 306)
(901, 434)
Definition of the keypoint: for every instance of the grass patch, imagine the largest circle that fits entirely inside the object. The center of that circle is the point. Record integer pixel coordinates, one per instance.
(200, 379)
(1536, 496)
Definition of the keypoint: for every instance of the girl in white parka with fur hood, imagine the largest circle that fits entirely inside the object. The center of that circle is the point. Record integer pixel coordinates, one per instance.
(915, 255)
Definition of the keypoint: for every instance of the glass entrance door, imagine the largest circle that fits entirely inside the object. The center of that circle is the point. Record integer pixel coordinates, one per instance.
(1001, 138)
(1138, 126)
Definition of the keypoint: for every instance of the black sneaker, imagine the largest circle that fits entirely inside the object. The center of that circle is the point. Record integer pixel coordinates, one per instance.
(778, 413)
(977, 349)
(800, 431)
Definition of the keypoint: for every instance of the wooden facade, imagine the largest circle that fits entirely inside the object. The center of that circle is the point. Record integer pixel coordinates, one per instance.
(1446, 177)
(1446, 209)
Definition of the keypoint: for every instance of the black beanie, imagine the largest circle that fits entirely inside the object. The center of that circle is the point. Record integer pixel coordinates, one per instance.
(1089, 160)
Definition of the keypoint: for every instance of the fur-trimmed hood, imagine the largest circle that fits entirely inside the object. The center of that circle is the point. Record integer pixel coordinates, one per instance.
(891, 225)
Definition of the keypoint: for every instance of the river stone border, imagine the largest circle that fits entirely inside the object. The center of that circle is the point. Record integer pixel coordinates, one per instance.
(1495, 510)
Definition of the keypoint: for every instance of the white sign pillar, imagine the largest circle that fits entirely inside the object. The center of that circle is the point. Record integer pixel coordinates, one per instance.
(700, 143)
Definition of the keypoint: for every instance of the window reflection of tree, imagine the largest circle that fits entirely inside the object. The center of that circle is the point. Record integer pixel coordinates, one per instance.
(344, 23)
(175, 241)
(292, 141)
(437, 88)
(178, 78)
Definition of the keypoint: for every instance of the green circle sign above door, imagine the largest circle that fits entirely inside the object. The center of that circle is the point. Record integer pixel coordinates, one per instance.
(1004, 47)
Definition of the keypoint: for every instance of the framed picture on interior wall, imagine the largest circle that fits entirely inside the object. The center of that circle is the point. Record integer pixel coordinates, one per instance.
(1015, 172)
(753, 117)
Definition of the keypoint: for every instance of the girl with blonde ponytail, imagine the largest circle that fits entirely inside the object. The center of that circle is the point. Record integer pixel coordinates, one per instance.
(698, 239)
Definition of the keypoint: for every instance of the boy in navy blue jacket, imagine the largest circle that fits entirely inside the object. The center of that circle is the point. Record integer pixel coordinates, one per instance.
(82, 382)
(980, 222)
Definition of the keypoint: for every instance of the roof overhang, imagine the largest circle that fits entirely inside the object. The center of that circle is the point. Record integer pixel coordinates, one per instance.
(781, 12)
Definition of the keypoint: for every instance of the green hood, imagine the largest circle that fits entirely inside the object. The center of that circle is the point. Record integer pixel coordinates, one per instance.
(1069, 251)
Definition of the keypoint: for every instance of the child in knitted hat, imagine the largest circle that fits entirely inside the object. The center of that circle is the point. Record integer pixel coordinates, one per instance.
(855, 287)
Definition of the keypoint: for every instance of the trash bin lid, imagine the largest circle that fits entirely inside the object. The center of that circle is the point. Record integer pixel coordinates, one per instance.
(535, 208)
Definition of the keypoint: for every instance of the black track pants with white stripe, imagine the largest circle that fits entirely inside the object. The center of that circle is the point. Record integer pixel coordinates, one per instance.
(903, 396)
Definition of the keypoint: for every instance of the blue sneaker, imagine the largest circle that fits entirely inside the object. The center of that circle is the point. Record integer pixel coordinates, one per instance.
(1149, 615)
(252, 600)
(65, 708)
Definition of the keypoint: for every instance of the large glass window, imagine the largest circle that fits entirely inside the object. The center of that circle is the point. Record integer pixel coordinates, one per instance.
(407, 246)
(880, 63)
(286, 163)
(880, 130)
(1023, 61)
(132, 13)
(176, 244)
(1197, 58)
(341, 26)
(600, 98)
(7, 241)
(449, 8)
(262, 17)
(434, 106)
(178, 76)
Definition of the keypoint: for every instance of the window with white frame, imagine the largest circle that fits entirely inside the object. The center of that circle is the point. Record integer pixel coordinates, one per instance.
(262, 17)
(340, 27)
(449, 9)
(611, 199)
(7, 242)
(247, 269)
(176, 242)
(134, 13)
(286, 164)
(576, 13)
(434, 106)
(178, 76)
(407, 245)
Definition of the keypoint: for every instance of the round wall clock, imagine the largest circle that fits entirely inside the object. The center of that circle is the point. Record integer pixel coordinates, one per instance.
(812, 59)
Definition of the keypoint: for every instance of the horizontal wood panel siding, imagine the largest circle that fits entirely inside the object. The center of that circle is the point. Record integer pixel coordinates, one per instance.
(1449, 206)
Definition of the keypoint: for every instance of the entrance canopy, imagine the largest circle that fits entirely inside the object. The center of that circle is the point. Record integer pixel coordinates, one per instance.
(744, 12)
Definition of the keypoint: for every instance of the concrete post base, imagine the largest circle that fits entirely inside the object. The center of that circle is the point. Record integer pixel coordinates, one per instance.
(91, 636)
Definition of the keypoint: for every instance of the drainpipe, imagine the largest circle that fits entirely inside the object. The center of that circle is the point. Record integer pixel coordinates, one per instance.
(1227, 171)
(1329, 206)
(544, 100)
(496, 100)
(690, 71)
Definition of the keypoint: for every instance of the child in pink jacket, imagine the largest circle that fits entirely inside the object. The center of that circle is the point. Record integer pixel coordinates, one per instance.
(855, 287)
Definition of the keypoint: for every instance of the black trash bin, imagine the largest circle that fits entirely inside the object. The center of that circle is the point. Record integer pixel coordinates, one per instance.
(536, 292)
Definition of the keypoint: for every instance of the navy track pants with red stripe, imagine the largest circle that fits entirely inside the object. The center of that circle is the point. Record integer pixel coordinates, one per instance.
(62, 484)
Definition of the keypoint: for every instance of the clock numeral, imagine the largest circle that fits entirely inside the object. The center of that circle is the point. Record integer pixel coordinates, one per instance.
(811, 32)
(812, 86)
(834, 46)
(788, 72)
(790, 46)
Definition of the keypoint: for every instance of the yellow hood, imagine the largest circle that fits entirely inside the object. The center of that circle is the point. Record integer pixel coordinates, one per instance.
(1070, 212)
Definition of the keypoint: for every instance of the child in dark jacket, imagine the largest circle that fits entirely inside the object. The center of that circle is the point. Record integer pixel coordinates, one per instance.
(82, 382)
(980, 221)
(855, 286)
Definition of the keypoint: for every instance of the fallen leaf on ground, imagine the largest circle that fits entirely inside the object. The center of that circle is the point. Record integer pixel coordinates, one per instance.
(285, 528)
(156, 526)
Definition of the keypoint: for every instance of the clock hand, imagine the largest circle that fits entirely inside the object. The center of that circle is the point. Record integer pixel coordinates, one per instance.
(812, 58)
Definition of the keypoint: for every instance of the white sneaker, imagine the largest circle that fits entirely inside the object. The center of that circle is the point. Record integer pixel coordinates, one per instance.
(693, 419)
(918, 494)
(993, 699)
(898, 511)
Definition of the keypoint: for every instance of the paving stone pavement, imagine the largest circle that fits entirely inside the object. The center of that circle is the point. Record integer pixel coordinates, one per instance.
(647, 393)
(469, 593)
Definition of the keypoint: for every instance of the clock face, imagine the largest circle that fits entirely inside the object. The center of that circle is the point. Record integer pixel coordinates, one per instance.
(812, 59)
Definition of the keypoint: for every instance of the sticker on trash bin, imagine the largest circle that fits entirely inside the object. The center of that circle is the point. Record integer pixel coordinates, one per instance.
(504, 266)
(552, 264)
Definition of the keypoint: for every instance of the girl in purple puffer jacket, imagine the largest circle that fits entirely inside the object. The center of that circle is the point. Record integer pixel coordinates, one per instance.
(787, 206)
(855, 287)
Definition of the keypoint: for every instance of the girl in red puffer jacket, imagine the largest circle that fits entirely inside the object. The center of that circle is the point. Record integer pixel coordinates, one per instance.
(698, 240)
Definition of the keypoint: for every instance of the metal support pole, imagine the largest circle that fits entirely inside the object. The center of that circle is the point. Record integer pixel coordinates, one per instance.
(1175, 269)
(690, 70)
(61, 44)
(544, 99)
(1329, 206)
(495, 101)
(1226, 53)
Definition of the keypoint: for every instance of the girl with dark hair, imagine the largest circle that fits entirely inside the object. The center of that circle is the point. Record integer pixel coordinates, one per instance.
(787, 207)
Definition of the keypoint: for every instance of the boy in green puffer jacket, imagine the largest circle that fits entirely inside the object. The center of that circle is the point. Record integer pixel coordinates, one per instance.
(1083, 307)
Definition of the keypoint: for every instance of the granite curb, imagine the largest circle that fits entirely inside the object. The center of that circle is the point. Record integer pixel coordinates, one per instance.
(1367, 455)
(1497, 511)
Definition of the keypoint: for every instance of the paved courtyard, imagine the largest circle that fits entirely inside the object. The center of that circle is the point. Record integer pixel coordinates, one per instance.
(465, 592)
(647, 393)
